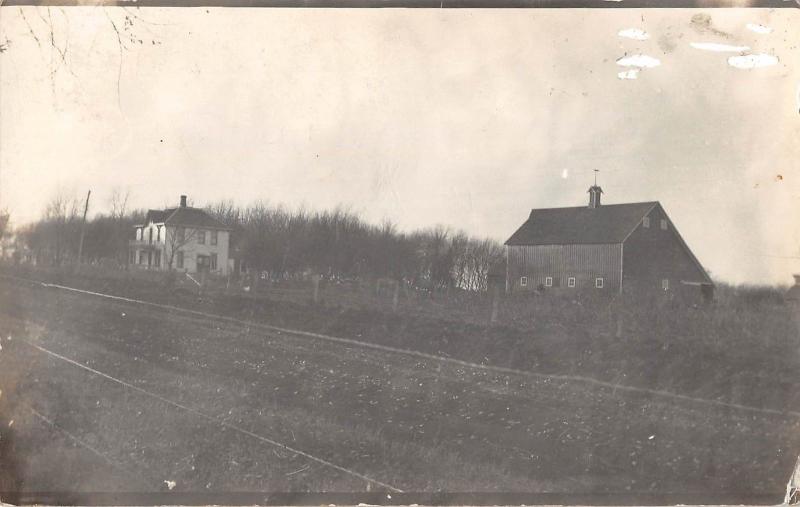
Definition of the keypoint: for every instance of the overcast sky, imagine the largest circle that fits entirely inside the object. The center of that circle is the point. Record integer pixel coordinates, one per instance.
(467, 118)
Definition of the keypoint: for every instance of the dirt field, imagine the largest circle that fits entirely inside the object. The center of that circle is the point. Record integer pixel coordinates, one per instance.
(101, 395)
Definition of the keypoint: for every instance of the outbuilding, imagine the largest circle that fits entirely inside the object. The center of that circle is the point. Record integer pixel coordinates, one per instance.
(603, 248)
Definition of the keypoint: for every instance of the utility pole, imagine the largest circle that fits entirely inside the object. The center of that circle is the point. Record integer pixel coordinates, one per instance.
(83, 227)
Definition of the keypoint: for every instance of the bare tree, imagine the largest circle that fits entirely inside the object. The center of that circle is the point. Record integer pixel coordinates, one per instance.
(61, 215)
(49, 27)
(118, 202)
(5, 222)
(226, 212)
(175, 239)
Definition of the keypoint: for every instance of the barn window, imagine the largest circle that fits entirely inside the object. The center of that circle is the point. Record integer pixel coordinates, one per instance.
(598, 283)
(663, 224)
(646, 222)
(665, 284)
(571, 281)
(523, 282)
(548, 281)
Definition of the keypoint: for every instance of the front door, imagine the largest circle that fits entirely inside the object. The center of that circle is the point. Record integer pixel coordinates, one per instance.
(203, 263)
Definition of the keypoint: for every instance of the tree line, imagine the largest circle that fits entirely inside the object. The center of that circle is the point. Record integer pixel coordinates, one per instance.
(340, 244)
(54, 239)
(283, 243)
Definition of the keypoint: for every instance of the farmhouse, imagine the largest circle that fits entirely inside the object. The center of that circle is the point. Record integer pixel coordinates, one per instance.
(602, 248)
(184, 238)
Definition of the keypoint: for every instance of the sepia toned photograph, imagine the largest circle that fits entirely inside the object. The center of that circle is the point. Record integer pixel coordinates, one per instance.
(260, 254)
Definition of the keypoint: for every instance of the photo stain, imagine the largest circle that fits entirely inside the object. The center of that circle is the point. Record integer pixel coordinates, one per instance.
(702, 23)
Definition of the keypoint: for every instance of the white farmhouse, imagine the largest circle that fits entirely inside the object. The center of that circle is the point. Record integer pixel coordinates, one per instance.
(184, 239)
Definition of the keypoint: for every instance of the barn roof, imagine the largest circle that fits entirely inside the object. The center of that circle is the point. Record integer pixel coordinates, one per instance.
(609, 223)
(185, 216)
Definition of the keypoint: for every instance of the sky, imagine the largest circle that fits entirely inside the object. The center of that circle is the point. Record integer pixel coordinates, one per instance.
(466, 118)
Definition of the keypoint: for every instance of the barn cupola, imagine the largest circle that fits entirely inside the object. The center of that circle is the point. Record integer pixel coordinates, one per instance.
(183, 201)
(594, 196)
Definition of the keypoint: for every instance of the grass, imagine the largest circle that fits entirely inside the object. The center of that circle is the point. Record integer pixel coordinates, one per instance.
(742, 348)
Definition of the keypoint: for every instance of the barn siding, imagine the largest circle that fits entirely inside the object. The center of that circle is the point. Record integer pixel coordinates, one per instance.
(653, 254)
(584, 262)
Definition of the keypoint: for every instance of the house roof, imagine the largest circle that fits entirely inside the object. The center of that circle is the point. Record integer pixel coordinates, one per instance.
(609, 223)
(157, 216)
(185, 216)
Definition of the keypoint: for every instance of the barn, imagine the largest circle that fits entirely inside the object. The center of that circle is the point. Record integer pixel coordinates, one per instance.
(603, 248)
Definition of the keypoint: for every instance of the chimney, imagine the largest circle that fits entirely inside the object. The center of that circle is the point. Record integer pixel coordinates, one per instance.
(183, 201)
(594, 196)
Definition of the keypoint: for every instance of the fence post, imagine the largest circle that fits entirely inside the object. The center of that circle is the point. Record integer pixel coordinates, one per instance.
(396, 297)
(315, 279)
(495, 302)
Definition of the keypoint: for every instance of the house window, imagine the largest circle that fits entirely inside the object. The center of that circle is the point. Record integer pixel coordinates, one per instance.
(663, 224)
(180, 260)
(665, 284)
(181, 233)
(214, 237)
(571, 281)
(548, 281)
(201, 237)
(523, 282)
(598, 283)
(213, 262)
(646, 222)
(139, 233)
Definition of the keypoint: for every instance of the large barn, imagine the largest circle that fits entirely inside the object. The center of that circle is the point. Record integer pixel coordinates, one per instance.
(608, 248)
